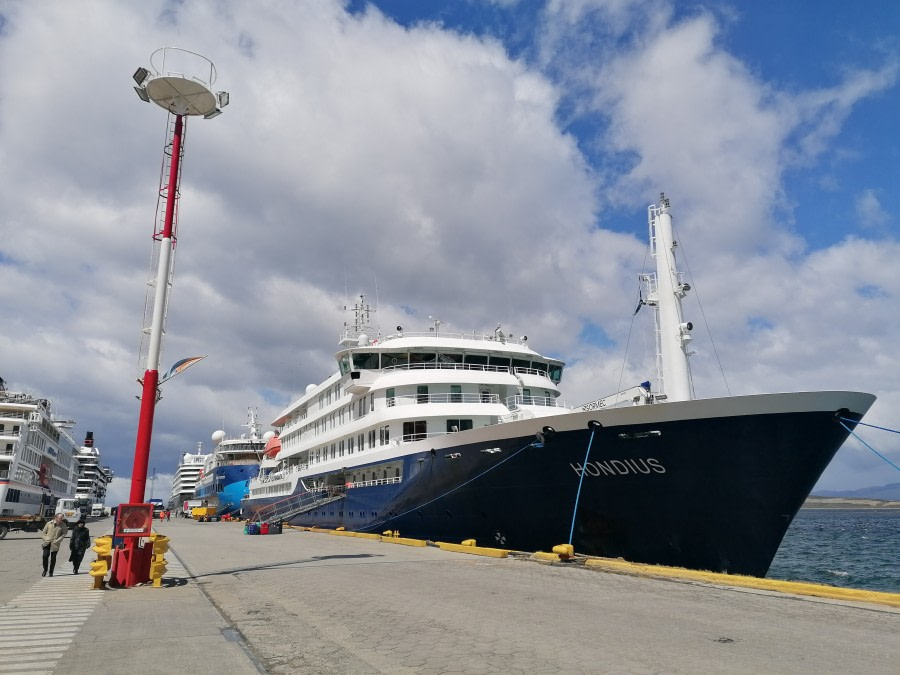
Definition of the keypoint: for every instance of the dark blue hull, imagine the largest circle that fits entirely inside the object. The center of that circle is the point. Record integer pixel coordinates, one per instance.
(715, 494)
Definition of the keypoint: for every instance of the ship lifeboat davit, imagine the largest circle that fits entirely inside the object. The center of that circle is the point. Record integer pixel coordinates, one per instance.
(273, 446)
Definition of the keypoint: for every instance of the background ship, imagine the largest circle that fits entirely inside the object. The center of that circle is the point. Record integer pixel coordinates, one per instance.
(93, 477)
(37, 455)
(228, 469)
(187, 474)
(455, 436)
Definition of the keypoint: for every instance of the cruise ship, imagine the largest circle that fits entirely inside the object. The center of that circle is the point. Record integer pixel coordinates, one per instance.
(226, 473)
(452, 436)
(93, 477)
(37, 455)
(186, 476)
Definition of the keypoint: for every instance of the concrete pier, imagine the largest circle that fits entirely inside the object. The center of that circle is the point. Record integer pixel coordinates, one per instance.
(307, 602)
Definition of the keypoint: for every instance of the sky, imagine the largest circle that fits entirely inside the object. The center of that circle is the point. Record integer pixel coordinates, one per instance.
(482, 162)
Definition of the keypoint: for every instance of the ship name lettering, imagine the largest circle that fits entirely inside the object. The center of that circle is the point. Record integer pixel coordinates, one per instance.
(620, 467)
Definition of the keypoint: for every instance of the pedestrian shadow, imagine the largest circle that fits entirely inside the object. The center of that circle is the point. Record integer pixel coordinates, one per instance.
(286, 563)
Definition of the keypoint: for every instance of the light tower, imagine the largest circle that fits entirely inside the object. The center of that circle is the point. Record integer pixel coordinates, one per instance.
(181, 82)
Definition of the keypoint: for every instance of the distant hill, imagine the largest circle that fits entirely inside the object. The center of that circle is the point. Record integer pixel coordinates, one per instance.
(890, 492)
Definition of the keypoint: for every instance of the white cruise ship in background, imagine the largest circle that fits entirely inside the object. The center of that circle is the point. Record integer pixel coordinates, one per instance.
(93, 477)
(188, 473)
(37, 455)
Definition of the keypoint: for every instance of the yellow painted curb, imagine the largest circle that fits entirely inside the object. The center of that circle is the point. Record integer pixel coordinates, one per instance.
(366, 535)
(403, 541)
(474, 550)
(793, 587)
(549, 557)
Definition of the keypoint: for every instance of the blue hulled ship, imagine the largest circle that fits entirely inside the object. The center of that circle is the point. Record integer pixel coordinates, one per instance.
(227, 471)
(451, 436)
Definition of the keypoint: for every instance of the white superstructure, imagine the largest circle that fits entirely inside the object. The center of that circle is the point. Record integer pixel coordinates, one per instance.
(390, 392)
(187, 474)
(93, 477)
(37, 455)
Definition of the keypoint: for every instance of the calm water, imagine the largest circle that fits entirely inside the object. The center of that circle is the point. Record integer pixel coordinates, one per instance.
(854, 548)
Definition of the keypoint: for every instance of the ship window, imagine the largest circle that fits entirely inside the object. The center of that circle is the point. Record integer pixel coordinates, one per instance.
(365, 360)
(477, 359)
(519, 363)
(451, 357)
(396, 360)
(458, 425)
(455, 393)
(499, 361)
(422, 393)
(415, 358)
(556, 373)
(539, 365)
(389, 396)
(414, 431)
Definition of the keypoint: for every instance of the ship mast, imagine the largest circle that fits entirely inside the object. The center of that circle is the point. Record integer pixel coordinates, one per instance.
(673, 334)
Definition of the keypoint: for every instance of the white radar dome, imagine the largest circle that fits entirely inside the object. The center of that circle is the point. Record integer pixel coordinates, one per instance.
(218, 436)
(362, 340)
(268, 435)
(310, 387)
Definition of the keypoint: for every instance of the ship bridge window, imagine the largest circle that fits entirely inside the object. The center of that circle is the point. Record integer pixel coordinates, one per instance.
(539, 365)
(450, 358)
(366, 360)
(556, 373)
(344, 364)
(477, 359)
(519, 363)
(393, 360)
(499, 361)
(415, 358)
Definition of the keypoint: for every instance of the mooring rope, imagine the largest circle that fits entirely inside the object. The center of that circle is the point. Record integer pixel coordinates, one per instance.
(474, 478)
(853, 433)
(594, 426)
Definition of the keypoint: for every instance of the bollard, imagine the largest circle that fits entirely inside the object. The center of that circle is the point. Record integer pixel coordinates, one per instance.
(158, 562)
(100, 567)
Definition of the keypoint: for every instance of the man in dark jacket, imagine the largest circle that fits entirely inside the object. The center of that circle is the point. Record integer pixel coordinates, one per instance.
(78, 544)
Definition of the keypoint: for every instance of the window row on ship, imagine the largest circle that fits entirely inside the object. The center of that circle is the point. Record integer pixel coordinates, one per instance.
(291, 435)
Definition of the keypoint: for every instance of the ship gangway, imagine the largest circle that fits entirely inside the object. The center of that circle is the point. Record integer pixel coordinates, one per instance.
(287, 508)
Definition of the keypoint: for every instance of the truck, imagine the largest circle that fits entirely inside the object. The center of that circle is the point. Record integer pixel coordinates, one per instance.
(189, 505)
(157, 506)
(72, 511)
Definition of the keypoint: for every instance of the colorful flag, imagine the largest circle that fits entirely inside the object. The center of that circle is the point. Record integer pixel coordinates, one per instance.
(180, 366)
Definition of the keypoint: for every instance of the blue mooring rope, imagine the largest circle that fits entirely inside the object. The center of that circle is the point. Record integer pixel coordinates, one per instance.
(580, 481)
(853, 433)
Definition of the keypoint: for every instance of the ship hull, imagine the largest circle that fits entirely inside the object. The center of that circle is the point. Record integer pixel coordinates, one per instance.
(226, 486)
(710, 484)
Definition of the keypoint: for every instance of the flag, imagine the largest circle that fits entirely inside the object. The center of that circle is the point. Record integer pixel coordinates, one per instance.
(180, 366)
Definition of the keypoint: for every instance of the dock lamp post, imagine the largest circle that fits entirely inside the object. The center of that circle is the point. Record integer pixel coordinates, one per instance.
(180, 81)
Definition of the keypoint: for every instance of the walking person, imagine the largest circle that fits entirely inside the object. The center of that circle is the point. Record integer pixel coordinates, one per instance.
(79, 542)
(51, 538)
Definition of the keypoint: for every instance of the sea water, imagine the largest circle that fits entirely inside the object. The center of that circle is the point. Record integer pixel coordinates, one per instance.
(853, 548)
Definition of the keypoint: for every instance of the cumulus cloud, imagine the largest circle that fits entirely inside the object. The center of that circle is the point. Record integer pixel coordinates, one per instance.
(427, 168)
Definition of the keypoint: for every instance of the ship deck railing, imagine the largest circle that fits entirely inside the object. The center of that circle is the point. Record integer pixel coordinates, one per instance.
(289, 507)
(374, 482)
(14, 414)
(407, 399)
(476, 337)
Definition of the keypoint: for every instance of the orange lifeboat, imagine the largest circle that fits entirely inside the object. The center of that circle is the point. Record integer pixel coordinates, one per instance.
(273, 445)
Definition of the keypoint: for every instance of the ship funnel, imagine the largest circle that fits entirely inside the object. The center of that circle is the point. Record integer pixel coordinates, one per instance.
(89, 439)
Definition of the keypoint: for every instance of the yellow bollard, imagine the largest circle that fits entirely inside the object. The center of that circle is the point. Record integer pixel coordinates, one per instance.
(564, 551)
(100, 567)
(158, 563)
